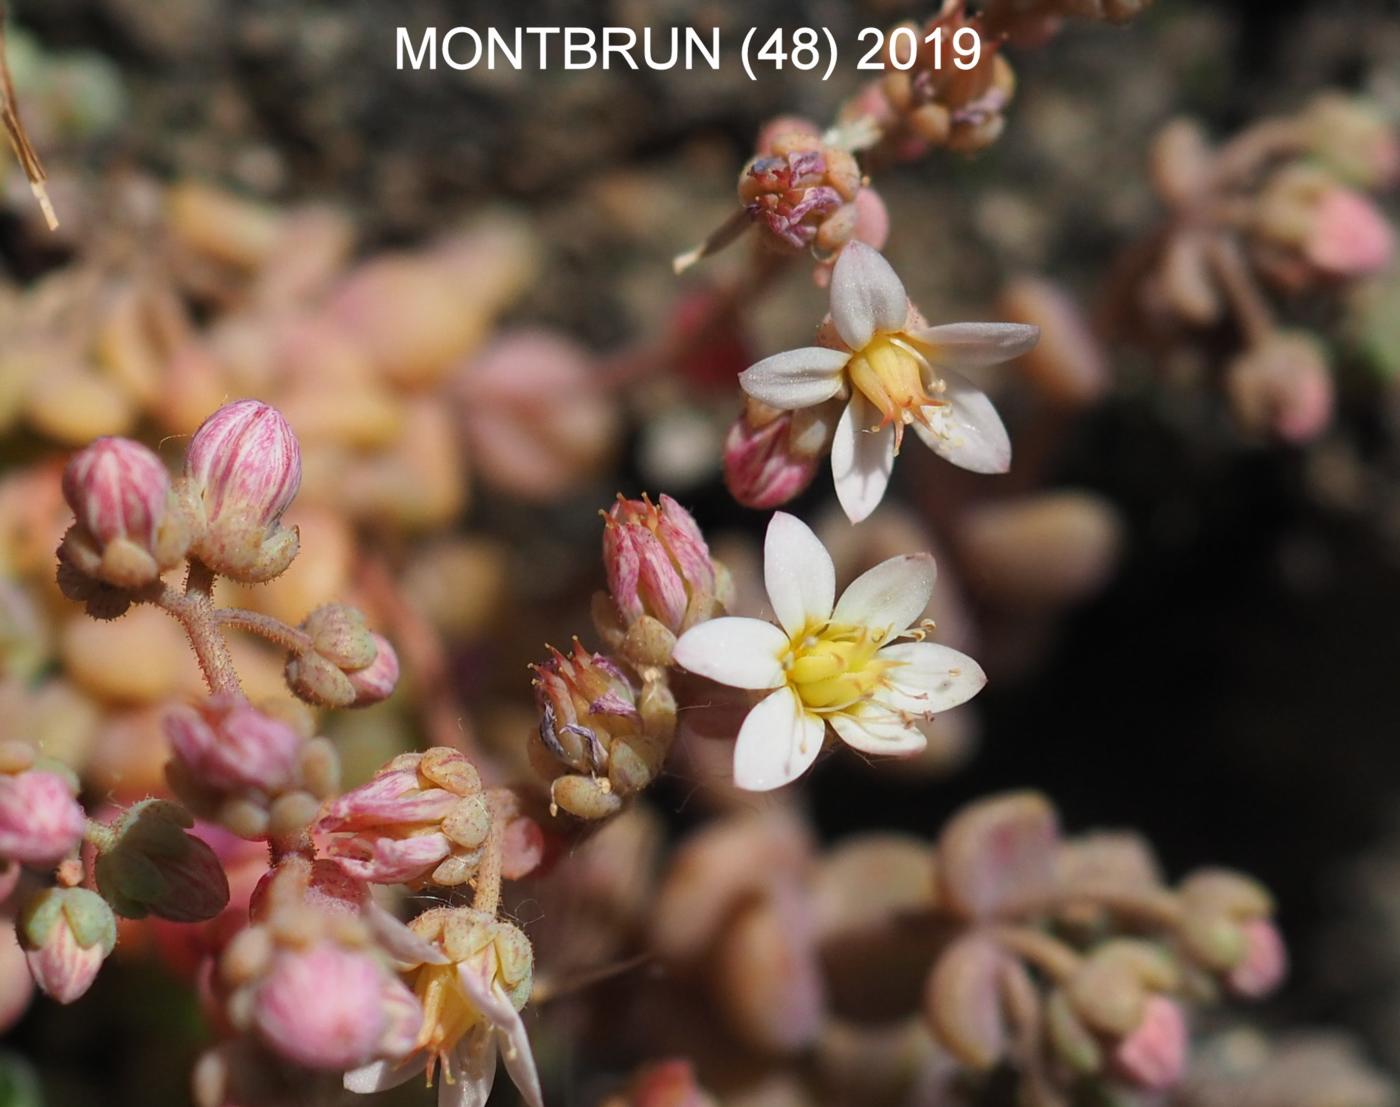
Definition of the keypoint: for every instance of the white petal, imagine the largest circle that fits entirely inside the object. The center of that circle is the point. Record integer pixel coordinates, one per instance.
(973, 345)
(520, 1061)
(492, 1001)
(930, 678)
(890, 596)
(967, 429)
(796, 378)
(866, 295)
(399, 941)
(479, 982)
(798, 573)
(381, 1075)
(473, 1071)
(861, 459)
(742, 653)
(878, 734)
(777, 743)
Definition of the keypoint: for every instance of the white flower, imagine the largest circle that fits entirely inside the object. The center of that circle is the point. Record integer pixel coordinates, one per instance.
(838, 662)
(898, 373)
(472, 974)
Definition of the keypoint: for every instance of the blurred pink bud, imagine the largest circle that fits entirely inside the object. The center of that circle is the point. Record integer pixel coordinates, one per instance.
(1265, 962)
(657, 563)
(998, 853)
(761, 468)
(665, 1084)
(328, 1007)
(1349, 236)
(243, 468)
(1283, 387)
(40, 821)
(225, 744)
(377, 680)
(709, 336)
(67, 933)
(126, 532)
(118, 489)
(1153, 1056)
(781, 127)
(538, 415)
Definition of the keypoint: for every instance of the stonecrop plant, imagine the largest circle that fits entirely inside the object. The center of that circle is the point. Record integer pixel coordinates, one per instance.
(352, 939)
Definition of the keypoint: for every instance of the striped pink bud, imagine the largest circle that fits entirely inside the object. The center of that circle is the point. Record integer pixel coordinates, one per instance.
(242, 471)
(126, 531)
(40, 821)
(657, 563)
(227, 745)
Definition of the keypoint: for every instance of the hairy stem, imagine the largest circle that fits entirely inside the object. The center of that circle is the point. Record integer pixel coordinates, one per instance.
(265, 626)
(194, 610)
(488, 873)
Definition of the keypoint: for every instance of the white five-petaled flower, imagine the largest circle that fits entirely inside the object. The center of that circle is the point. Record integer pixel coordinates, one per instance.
(898, 372)
(839, 662)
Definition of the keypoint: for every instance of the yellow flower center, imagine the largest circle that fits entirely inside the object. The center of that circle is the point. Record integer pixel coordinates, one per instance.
(831, 667)
(448, 1014)
(891, 373)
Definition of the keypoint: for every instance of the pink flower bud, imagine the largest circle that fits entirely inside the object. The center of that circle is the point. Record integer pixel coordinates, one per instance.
(422, 817)
(1265, 961)
(40, 821)
(227, 745)
(1153, 1056)
(243, 469)
(1349, 236)
(657, 563)
(126, 532)
(377, 680)
(328, 1007)
(117, 488)
(761, 469)
(67, 933)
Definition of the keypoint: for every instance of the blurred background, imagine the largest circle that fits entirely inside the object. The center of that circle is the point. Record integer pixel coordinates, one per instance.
(458, 287)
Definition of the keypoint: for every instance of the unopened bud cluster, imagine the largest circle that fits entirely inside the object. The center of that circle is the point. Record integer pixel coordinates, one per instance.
(1066, 961)
(346, 664)
(1279, 211)
(801, 190)
(600, 738)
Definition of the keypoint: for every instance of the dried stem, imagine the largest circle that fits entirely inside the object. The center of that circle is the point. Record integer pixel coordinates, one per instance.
(19, 138)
